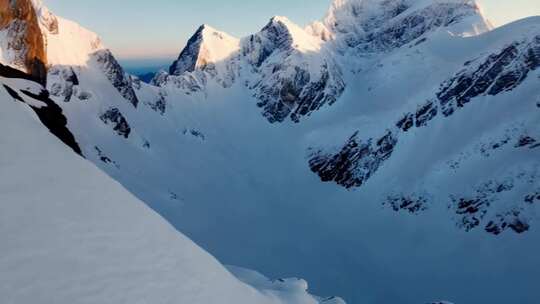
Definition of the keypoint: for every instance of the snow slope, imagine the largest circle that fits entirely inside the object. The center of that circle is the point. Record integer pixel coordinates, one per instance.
(70, 234)
(403, 109)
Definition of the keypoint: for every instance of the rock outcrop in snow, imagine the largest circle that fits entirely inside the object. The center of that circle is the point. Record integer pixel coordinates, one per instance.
(116, 75)
(38, 99)
(118, 122)
(488, 76)
(295, 76)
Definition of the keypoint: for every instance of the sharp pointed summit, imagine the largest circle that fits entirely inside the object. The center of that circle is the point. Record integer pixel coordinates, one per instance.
(205, 49)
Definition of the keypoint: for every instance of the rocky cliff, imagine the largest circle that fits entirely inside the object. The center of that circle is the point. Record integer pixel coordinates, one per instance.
(23, 45)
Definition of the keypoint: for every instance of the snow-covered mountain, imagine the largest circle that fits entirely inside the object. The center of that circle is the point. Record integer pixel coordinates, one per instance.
(22, 45)
(293, 74)
(71, 234)
(297, 145)
(371, 26)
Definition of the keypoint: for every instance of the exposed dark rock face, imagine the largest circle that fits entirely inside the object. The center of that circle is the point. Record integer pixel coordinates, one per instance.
(119, 123)
(104, 158)
(512, 137)
(471, 211)
(413, 203)
(188, 59)
(353, 10)
(18, 18)
(195, 133)
(408, 28)
(297, 96)
(487, 149)
(287, 88)
(9, 72)
(274, 37)
(208, 55)
(500, 72)
(356, 162)
(53, 118)
(160, 104)
(115, 73)
(189, 82)
(526, 141)
(50, 115)
(67, 85)
(533, 198)
(283, 77)
(508, 220)
(475, 209)
(13, 93)
(492, 77)
(381, 26)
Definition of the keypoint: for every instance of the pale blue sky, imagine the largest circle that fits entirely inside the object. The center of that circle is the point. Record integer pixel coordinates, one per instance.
(160, 28)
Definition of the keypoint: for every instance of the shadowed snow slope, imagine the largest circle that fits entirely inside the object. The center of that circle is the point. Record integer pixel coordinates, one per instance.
(70, 234)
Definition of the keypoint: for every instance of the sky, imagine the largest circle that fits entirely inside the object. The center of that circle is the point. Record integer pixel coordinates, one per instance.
(142, 29)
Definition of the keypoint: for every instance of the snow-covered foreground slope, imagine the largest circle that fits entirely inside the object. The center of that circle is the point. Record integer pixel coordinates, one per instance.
(288, 151)
(70, 234)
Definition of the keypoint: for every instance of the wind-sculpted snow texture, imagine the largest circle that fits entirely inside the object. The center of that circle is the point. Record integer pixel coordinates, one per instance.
(422, 120)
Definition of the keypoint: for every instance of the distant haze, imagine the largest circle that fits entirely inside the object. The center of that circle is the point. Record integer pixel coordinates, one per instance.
(136, 29)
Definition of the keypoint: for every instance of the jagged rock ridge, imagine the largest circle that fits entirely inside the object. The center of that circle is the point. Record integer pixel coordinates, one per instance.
(491, 75)
(287, 70)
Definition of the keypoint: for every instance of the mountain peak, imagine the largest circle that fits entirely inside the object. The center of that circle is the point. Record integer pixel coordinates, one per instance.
(281, 19)
(23, 46)
(47, 20)
(285, 33)
(379, 25)
(206, 47)
(204, 30)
